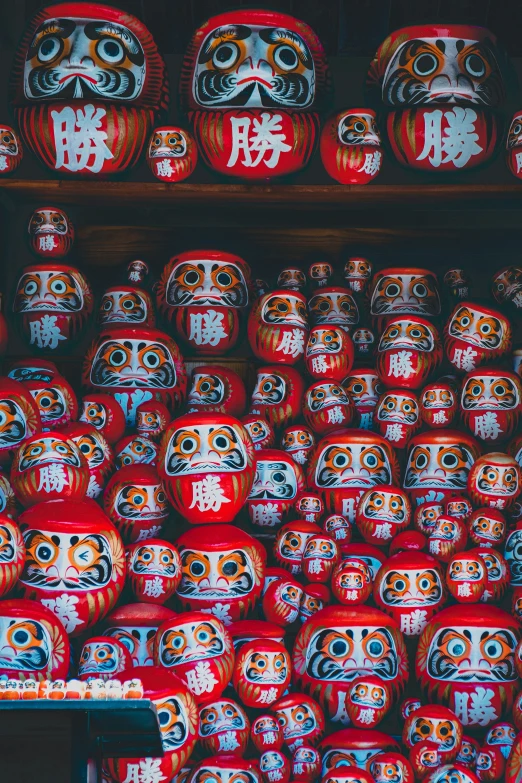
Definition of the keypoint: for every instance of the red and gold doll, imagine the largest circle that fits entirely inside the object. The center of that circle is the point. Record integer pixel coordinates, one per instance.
(433, 723)
(152, 419)
(438, 405)
(97, 452)
(490, 403)
(136, 502)
(278, 394)
(11, 150)
(329, 353)
(382, 513)
(333, 306)
(153, 570)
(290, 544)
(12, 554)
(278, 327)
(327, 407)
(51, 232)
(19, 416)
(364, 387)
(105, 413)
(171, 153)
(409, 351)
(466, 577)
(475, 335)
(397, 417)
(351, 147)
(260, 431)
(495, 480)
(298, 441)
(224, 728)
(216, 389)
(262, 672)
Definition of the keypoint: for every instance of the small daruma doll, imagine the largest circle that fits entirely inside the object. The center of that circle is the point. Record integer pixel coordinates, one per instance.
(152, 419)
(351, 147)
(438, 405)
(382, 513)
(207, 462)
(75, 563)
(202, 293)
(135, 364)
(397, 417)
(368, 701)
(260, 431)
(222, 571)
(397, 292)
(172, 154)
(52, 304)
(252, 96)
(218, 389)
(136, 502)
(466, 577)
(126, 304)
(333, 306)
(513, 144)
(298, 441)
(329, 353)
(51, 232)
(301, 720)
(467, 656)
(277, 482)
(347, 463)
(438, 465)
(11, 151)
(291, 278)
(105, 414)
(490, 403)
(476, 335)
(433, 723)
(153, 570)
(262, 672)
(135, 626)
(224, 728)
(103, 658)
(49, 466)
(364, 388)
(290, 544)
(97, 452)
(19, 416)
(409, 351)
(327, 407)
(278, 394)
(495, 480)
(410, 588)
(194, 642)
(93, 121)
(278, 327)
(339, 644)
(12, 554)
(33, 642)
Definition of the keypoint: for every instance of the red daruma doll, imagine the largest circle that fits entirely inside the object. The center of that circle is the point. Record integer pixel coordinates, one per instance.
(207, 463)
(12, 554)
(95, 120)
(11, 151)
(397, 416)
(262, 672)
(351, 147)
(153, 570)
(172, 154)
(475, 335)
(252, 96)
(495, 480)
(438, 405)
(51, 232)
(327, 407)
(382, 513)
(216, 389)
(409, 351)
(278, 327)
(329, 353)
(19, 416)
(136, 502)
(278, 394)
(278, 480)
(202, 293)
(490, 404)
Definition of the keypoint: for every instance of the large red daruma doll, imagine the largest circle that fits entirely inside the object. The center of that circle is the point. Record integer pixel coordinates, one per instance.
(75, 562)
(222, 571)
(178, 722)
(88, 85)
(441, 83)
(251, 82)
(33, 642)
(135, 364)
(52, 305)
(347, 463)
(438, 465)
(207, 462)
(339, 644)
(466, 661)
(202, 293)
(216, 389)
(278, 327)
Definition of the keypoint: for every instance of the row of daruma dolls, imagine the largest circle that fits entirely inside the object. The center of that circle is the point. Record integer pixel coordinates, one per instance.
(94, 688)
(253, 84)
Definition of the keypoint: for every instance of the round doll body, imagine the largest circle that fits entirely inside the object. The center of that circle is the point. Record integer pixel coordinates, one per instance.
(358, 273)
(506, 286)
(495, 480)
(315, 597)
(298, 441)
(364, 387)
(119, 94)
(278, 394)
(386, 767)
(300, 719)
(202, 294)
(135, 626)
(260, 431)
(223, 728)
(136, 502)
(329, 353)
(11, 150)
(152, 419)
(327, 407)
(282, 601)
(135, 450)
(266, 733)
(277, 482)
(105, 414)
(207, 463)
(274, 762)
(171, 153)
(51, 232)
(351, 147)
(153, 570)
(352, 581)
(126, 304)
(353, 748)
(333, 306)
(382, 513)
(103, 657)
(278, 327)
(52, 305)
(290, 544)
(56, 401)
(309, 506)
(75, 563)
(476, 335)
(433, 723)
(490, 404)
(448, 536)
(397, 417)
(438, 405)
(221, 572)
(291, 279)
(135, 364)
(409, 351)
(262, 672)
(320, 556)
(466, 577)
(216, 389)
(398, 291)
(192, 644)
(306, 764)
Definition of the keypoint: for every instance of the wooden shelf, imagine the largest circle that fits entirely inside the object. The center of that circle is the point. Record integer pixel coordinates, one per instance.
(287, 197)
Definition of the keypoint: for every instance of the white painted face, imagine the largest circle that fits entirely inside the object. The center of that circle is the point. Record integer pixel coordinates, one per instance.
(206, 389)
(123, 307)
(84, 58)
(358, 128)
(342, 654)
(274, 479)
(340, 758)
(384, 505)
(154, 559)
(432, 465)
(168, 144)
(324, 396)
(141, 501)
(130, 362)
(407, 334)
(398, 408)
(411, 587)
(195, 641)
(139, 640)
(99, 657)
(207, 448)
(48, 290)
(284, 309)
(202, 282)
(216, 575)
(46, 450)
(8, 142)
(352, 465)
(486, 392)
(472, 655)
(25, 644)
(270, 389)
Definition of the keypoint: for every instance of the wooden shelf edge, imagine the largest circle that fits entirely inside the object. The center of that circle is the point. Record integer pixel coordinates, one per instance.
(289, 196)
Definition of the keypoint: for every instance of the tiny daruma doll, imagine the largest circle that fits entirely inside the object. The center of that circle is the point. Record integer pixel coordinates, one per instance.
(278, 327)
(351, 147)
(11, 151)
(251, 82)
(92, 120)
(172, 154)
(51, 232)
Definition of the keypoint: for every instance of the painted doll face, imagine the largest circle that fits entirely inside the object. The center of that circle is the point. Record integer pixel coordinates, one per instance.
(444, 732)
(154, 560)
(490, 530)
(472, 655)
(324, 396)
(407, 334)
(477, 327)
(223, 715)
(352, 465)
(94, 413)
(123, 307)
(320, 271)
(296, 721)
(296, 439)
(270, 389)
(497, 479)
(364, 389)
(8, 142)
(254, 66)
(25, 644)
(205, 448)
(398, 408)
(411, 587)
(274, 479)
(99, 657)
(342, 654)
(216, 575)
(438, 397)
(51, 403)
(168, 144)
(58, 561)
(324, 341)
(111, 56)
(384, 505)
(191, 642)
(258, 430)
(284, 309)
(330, 307)
(465, 569)
(93, 449)
(173, 722)
(430, 71)
(56, 291)
(438, 465)
(139, 641)
(141, 501)
(406, 293)
(292, 279)
(206, 389)
(133, 363)
(498, 392)
(138, 451)
(358, 128)
(48, 221)
(45, 450)
(267, 667)
(204, 282)
(210, 774)
(13, 423)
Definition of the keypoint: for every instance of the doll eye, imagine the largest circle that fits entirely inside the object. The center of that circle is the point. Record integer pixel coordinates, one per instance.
(49, 48)
(499, 389)
(197, 569)
(357, 388)
(493, 649)
(151, 359)
(192, 277)
(117, 358)
(370, 460)
(44, 553)
(110, 51)
(517, 129)
(392, 289)
(449, 460)
(360, 127)
(31, 288)
(224, 279)
(475, 65)
(340, 460)
(188, 445)
(416, 333)
(286, 58)
(419, 289)
(107, 305)
(278, 477)
(456, 648)
(338, 648)
(58, 287)
(221, 443)
(421, 461)
(375, 648)
(425, 64)
(475, 390)
(393, 333)
(226, 55)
